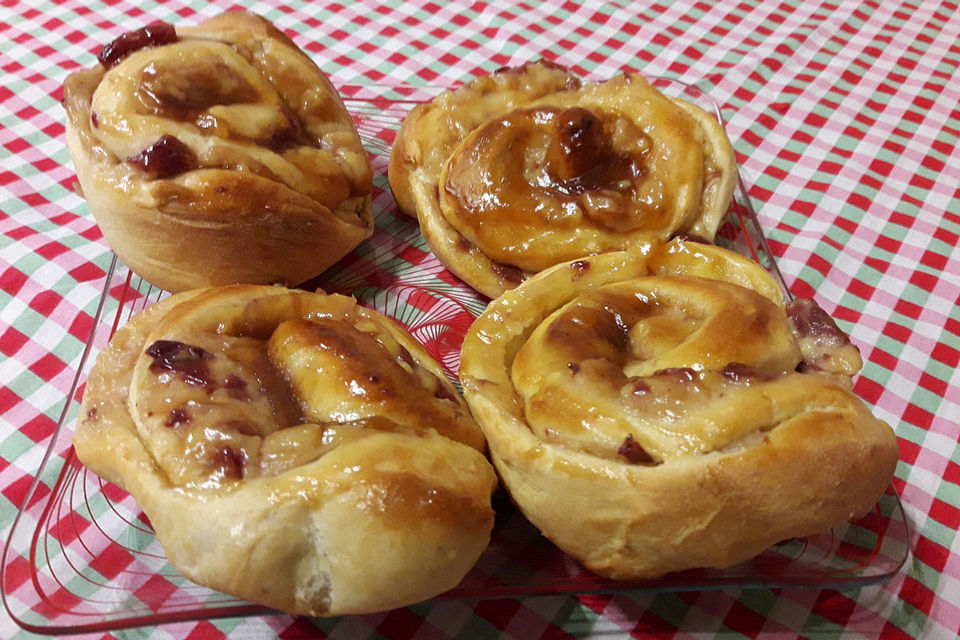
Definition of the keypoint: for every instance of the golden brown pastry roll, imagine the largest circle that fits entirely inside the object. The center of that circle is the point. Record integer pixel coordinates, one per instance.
(291, 448)
(218, 154)
(670, 399)
(515, 172)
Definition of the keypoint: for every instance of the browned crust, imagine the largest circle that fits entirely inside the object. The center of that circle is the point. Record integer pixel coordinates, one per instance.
(433, 131)
(827, 462)
(212, 226)
(376, 523)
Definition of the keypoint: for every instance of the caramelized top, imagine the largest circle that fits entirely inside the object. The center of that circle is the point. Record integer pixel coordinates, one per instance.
(279, 383)
(569, 180)
(655, 368)
(432, 131)
(576, 173)
(152, 35)
(170, 104)
(660, 354)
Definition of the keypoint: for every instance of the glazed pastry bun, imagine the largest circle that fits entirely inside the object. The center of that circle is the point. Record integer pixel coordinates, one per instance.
(518, 171)
(218, 154)
(670, 399)
(291, 448)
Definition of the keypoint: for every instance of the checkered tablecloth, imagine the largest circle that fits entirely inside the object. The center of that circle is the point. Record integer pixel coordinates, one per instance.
(845, 117)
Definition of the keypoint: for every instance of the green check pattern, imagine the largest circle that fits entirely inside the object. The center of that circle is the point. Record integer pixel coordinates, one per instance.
(845, 120)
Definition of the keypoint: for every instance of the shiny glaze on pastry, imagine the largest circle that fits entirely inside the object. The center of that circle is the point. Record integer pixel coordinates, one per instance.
(313, 445)
(678, 404)
(218, 154)
(511, 174)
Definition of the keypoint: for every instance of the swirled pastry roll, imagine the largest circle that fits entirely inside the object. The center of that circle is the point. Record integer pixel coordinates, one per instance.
(218, 154)
(291, 448)
(518, 171)
(671, 400)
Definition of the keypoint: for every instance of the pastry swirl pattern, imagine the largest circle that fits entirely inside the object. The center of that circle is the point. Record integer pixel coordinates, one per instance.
(518, 171)
(291, 448)
(676, 402)
(218, 154)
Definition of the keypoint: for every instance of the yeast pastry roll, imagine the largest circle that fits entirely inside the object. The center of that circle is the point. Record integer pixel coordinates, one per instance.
(515, 172)
(672, 400)
(291, 448)
(218, 154)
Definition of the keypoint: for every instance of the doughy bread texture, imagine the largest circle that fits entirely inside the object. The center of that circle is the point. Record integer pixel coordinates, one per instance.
(218, 154)
(665, 408)
(291, 448)
(515, 172)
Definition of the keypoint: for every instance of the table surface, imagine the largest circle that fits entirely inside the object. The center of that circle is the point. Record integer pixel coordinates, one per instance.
(845, 117)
